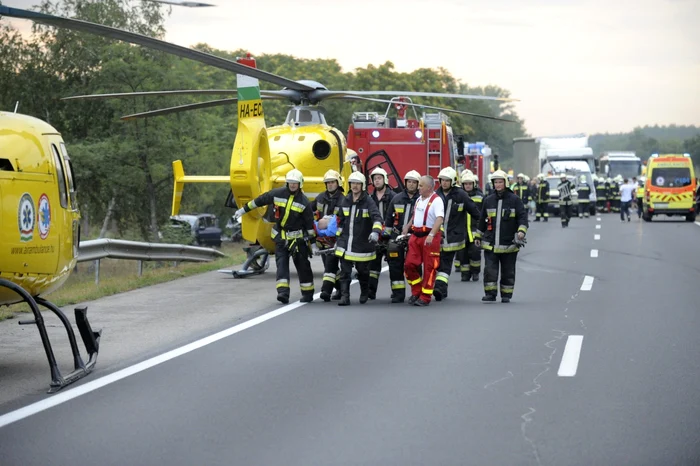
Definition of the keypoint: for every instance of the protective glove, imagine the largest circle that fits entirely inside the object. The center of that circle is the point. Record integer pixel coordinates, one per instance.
(239, 213)
(520, 240)
(373, 237)
(386, 234)
(315, 250)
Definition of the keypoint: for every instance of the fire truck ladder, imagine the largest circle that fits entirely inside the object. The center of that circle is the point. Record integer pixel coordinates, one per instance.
(433, 170)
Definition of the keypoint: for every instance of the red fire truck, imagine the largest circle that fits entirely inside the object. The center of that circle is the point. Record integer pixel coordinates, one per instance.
(399, 144)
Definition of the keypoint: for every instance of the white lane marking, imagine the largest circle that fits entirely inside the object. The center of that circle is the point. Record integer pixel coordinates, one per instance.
(587, 283)
(68, 395)
(598, 219)
(697, 223)
(594, 253)
(596, 237)
(572, 353)
(597, 227)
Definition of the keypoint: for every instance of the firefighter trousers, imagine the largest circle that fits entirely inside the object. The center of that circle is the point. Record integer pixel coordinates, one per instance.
(471, 261)
(600, 204)
(300, 257)
(584, 209)
(331, 274)
(375, 269)
(346, 277)
(428, 255)
(541, 211)
(506, 261)
(565, 213)
(443, 276)
(396, 256)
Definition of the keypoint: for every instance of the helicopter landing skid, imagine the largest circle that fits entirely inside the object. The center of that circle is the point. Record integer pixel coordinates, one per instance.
(257, 262)
(91, 338)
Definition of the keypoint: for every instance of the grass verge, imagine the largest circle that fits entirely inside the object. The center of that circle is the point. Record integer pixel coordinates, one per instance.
(117, 276)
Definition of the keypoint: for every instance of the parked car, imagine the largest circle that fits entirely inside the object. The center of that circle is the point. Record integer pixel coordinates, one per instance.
(204, 228)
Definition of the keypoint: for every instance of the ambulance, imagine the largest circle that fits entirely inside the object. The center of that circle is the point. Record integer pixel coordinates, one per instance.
(670, 186)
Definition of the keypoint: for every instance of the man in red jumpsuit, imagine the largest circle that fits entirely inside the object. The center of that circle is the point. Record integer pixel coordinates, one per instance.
(424, 244)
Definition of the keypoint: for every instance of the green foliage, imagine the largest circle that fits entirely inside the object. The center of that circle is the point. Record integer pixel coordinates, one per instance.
(131, 162)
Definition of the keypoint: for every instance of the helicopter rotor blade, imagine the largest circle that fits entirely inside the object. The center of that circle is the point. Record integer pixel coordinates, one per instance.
(478, 115)
(323, 94)
(268, 94)
(179, 108)
(150, 42)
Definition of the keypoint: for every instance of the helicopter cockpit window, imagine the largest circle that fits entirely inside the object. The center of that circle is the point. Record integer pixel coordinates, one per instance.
(62, 188)
(70, 177)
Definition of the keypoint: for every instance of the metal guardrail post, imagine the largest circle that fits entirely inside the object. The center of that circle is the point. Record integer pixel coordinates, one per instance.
(97, 272)
(140, 269)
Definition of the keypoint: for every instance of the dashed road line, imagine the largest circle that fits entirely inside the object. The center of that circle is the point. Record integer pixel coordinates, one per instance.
(697, 223)
(598, 219)
(587, 283)
(594, 253)
(596, 237)
(597, 227)
(571, 356)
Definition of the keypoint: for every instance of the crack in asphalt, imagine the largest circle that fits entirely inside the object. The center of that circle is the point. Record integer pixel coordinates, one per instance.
(509, 376)
(527, 419)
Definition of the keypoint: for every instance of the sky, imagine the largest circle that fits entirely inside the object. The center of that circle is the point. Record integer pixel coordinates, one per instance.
(576, 65)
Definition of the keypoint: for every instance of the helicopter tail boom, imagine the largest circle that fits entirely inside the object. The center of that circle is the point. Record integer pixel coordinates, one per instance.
(181, 179)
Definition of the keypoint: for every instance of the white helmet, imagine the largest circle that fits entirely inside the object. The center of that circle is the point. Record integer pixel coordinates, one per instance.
(520, 175)
(357, 177)
(541, 176)
(448, 173)
(476, 178)
(526, 178)
(466, 170)
(332, 175)
(582, 178)
(350, 154)
(498, 175)
(295, 176)
(379, 171)
(468, 178)
(412, 175)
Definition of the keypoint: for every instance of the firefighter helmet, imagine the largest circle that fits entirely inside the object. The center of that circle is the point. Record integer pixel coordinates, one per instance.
(357, 177)
(540, 176)
(562, 175)
(412, 175)
(448, 173)
(498, 175)
(466, 170)
(379, 171)
(582, 178)
(520, 175)
(295, 176)
(468, 178)
(332, 175)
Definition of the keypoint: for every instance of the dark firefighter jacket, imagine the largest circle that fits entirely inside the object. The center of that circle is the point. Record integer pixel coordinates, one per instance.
(473, 222)
(400, 212)
(522, 191)
(383, 205)
(504, 215)
(584, 192)
(291, 213)
(601, 191)
(614, 192)
(358, 219)
(566, 189)
(327, 203)
(543, 192)
(457, 205)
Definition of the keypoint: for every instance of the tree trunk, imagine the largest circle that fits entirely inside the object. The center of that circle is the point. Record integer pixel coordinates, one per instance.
(108, 216)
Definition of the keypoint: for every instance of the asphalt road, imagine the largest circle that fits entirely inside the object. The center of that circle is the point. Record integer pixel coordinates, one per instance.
(595, 362)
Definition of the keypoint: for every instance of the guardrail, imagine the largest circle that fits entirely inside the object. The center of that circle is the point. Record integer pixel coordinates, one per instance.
(97, 249)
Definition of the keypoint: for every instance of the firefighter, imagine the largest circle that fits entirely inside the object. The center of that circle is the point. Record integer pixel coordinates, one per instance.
(521, 189)
(608, 194)
(358, 234)
(294, 228)
(470, 256)
(566, 189)
(458, 257)
(381, 196)
(584, 198)
(600, 192)
(456, 204)
(501, 233)
(328, 203)
(542, 198)
(398, 215)
(424, 243)
(615, 193)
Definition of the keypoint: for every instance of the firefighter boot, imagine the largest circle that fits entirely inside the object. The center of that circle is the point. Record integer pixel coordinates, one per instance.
(475, 276)
(364, 292)
(344, 293)
(466, 276)
(398, 297)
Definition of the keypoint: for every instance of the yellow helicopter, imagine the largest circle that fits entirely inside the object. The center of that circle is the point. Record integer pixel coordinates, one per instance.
(261, 156)
(40, 230)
